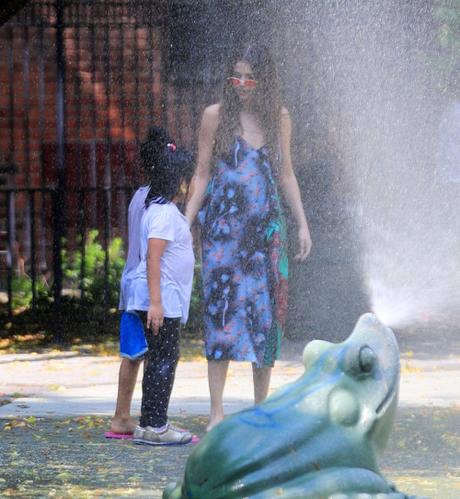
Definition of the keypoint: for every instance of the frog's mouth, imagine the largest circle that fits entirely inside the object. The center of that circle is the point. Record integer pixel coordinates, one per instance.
(390, 368)
(389, 398)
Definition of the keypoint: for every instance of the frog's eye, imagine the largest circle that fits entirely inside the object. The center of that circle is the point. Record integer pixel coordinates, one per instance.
(367, 359)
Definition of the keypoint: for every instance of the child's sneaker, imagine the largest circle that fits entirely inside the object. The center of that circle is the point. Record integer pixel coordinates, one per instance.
(169, 436)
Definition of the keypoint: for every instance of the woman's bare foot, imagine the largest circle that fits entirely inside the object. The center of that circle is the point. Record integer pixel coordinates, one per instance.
(123, 425)
(214, 420)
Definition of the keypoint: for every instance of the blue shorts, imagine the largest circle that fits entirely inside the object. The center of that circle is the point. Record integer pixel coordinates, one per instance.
(132, 336)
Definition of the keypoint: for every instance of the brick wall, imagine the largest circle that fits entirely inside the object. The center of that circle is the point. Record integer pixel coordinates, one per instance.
(117, 83)
(113, 87)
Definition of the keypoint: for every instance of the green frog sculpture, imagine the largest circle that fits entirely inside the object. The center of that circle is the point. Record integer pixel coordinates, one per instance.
(316, 437)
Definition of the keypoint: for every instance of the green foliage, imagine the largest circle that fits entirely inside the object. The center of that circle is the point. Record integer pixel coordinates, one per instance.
(91, 312)
(194, 325)
(22, 291)
(94, 270)
(447, 15)
(94, 261)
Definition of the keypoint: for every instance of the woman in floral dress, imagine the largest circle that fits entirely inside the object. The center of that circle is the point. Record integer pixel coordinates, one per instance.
(243, 157)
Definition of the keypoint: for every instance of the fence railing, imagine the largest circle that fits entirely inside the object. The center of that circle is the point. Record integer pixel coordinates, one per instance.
(56, 241)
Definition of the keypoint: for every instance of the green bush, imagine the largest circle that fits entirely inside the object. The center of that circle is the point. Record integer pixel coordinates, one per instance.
(92, 307)
(94, 261)
(194, 325)
(447, 16)
(22, 291)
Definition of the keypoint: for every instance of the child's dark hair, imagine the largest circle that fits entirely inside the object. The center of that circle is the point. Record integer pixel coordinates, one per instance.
(165, 164)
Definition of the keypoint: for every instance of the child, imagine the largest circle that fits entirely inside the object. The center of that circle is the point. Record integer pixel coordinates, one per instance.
(132, 341)
(161, 286)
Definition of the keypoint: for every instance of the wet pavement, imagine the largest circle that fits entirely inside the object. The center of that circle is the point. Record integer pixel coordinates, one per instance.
(56, 407)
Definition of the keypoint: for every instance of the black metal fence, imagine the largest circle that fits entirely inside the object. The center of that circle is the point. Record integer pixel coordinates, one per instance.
(52, 249)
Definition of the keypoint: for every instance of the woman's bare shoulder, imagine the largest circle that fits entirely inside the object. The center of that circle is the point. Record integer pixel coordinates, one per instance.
(284, 113)
(210, 119)
(212, 111)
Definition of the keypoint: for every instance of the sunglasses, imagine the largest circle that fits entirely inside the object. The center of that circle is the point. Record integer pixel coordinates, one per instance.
(239, 82)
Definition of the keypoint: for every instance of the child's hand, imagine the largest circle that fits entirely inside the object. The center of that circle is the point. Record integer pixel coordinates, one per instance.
(155, 317)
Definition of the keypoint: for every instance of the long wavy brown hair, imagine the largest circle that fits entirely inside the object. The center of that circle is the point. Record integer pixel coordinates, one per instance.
(267, 99)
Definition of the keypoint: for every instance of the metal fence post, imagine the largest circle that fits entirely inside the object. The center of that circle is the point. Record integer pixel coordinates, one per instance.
(58, 195)
(9, 253)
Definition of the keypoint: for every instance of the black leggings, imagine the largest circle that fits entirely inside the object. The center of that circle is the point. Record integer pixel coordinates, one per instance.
(160, 368)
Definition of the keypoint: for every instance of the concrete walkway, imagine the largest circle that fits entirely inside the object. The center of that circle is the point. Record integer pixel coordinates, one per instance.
(68, 383)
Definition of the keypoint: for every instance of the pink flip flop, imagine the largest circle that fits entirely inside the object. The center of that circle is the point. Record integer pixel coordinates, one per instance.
(118, 436)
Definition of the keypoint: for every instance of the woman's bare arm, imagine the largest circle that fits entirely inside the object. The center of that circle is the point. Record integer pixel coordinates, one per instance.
(208, 127)
(290, 187)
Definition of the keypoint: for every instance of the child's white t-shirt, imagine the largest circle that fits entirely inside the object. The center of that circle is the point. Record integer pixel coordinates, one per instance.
(135, 211)
(165, 221)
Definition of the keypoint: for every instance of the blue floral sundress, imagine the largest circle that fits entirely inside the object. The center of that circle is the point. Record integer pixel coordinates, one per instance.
(244, 259)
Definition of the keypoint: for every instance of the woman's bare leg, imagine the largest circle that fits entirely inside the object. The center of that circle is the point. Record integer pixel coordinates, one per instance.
(217, 374)
(261, 376)
(122, 422)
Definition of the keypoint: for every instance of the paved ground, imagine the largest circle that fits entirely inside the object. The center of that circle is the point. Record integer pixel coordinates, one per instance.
(68, 383)
(51, 433)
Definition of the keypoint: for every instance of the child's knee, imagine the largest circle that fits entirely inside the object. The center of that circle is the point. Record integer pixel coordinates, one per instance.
(132, 363)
